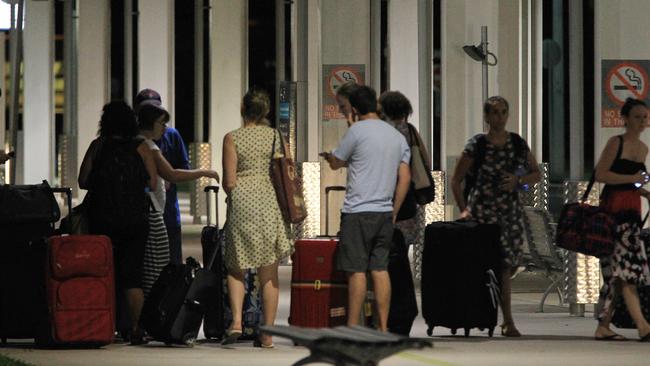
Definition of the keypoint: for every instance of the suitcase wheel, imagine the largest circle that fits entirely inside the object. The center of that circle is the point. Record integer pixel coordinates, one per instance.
(429, 331)
(189, 339)
(453, 331)
(491, 332)
(466, 332)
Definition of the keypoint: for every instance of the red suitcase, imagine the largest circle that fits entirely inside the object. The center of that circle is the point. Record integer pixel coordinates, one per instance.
(319, 293)
(80, 290)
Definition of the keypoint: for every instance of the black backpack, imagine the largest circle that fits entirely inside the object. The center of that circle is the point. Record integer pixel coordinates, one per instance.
(118, 183)
(479, 154)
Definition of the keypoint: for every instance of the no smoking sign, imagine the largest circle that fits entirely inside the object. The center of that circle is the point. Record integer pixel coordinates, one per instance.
(333, 77)
(622, 79)
(340, 76)
(627, 80)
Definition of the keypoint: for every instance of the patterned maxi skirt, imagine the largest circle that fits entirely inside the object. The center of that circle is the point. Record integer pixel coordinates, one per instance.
(156, 251)
(629, 262)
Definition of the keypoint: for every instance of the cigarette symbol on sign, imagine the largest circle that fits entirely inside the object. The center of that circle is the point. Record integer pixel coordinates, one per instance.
(633, 78)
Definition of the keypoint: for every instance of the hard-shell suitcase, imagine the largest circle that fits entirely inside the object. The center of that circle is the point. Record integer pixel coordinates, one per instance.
(403, 304)
(27, 217)
(319, 293)
(184, 294)
(460, 265)
(80, 291)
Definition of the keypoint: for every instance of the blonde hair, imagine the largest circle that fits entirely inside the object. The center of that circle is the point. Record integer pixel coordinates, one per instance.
(255, 106)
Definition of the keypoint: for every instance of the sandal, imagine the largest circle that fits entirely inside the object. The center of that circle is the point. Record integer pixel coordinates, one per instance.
(645, 338)
(232, 335)
(611, 337)
(137, 338)
(260, 344)
(509, 330)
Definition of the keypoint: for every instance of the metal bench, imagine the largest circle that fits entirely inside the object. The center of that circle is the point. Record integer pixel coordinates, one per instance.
(346, 346)
(540, 252)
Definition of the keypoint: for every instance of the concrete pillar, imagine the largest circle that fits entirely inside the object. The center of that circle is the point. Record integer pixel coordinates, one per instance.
(228, 79)
(37, 150)
(576, 96)
(156, 48)
(345, 40)
(619, 25)
(509, 67)
(93, 69)
(404, 53)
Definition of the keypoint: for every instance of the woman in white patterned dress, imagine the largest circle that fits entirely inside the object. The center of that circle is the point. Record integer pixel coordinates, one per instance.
(256, 234)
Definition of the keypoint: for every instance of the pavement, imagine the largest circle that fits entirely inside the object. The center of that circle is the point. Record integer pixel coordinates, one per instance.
(549, 338)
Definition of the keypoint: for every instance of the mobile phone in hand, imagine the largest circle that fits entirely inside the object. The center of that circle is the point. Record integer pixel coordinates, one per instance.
(11, 154)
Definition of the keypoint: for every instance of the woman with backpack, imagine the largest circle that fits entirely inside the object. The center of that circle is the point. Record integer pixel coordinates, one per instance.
(116, 170)
(494, 166)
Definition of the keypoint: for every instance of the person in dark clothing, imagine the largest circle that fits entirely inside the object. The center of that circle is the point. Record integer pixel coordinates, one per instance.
(116, 170)
(173, 149)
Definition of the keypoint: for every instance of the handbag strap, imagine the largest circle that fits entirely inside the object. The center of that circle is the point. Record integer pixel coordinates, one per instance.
(593, 175)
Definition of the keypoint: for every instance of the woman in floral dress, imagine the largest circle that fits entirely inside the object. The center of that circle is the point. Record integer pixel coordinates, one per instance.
(498, 163)
(621, 165)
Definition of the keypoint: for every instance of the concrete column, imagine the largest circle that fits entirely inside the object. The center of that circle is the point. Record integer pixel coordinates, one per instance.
(93, 69)
(404, 53)
(619, 27)
(345, 39)
(37, 150)
(156, 48)
(306, 58)
(509, 75)
(576, 93)
(228, 79)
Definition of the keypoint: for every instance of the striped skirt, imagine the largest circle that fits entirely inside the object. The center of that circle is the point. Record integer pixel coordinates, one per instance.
(156, 251)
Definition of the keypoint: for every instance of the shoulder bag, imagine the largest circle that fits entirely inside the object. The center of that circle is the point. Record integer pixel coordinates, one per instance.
(287, 185)
(423, 186)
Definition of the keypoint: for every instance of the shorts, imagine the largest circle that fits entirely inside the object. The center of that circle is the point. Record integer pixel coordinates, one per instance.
(365, 242)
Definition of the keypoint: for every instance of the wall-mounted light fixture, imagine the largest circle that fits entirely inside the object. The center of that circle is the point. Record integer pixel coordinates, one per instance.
(480, 53)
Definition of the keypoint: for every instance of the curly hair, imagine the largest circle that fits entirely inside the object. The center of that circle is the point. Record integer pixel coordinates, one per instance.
(118, 119)
(395, 105)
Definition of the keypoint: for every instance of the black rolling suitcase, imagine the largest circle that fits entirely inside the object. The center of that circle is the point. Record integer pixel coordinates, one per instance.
(403, 305)
(460, 266)
(27, 217)
(211, 245)
(180, 298)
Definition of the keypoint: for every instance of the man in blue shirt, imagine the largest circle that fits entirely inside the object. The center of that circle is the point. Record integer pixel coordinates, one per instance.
(377, 157)
(173, 149)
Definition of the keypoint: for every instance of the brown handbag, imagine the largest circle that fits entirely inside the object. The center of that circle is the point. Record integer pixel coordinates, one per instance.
(287, 185)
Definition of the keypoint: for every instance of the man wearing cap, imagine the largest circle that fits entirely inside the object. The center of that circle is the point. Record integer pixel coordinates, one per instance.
(173, 149)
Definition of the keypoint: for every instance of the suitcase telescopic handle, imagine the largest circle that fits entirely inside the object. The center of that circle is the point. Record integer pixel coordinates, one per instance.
(207, 191)
(68, 195)
(327, 205)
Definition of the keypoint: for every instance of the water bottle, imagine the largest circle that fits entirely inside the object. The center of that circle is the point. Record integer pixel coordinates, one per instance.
(520, 172)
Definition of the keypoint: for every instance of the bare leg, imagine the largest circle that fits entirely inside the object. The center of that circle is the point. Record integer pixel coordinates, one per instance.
(135, 301)
(236, 293)
(631, 297)
(603, 330)
(508, 328)
(270, 295)
(356, 296)
(381, 284)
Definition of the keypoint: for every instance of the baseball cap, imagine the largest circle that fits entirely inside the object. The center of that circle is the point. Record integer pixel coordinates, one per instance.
(149, 95)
